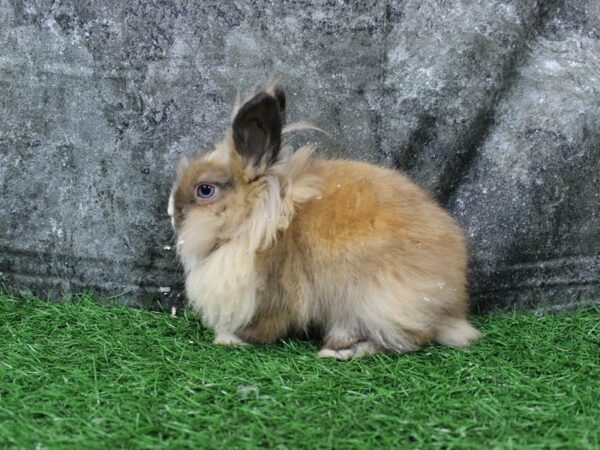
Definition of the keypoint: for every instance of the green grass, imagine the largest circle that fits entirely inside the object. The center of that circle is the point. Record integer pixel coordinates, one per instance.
(80, 375)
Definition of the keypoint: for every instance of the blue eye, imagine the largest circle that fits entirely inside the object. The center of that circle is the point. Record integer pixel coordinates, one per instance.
(206, 190)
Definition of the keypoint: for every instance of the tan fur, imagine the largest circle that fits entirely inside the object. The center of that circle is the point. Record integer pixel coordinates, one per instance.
(357, 251)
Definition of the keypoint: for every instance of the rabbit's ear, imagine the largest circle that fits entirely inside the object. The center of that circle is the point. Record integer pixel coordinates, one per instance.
(280, 96)
(257, 128)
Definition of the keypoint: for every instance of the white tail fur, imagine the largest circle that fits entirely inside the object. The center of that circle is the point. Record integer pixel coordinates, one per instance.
(456, 333)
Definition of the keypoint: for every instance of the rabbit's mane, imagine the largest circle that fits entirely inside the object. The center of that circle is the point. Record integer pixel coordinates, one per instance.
(226, 277)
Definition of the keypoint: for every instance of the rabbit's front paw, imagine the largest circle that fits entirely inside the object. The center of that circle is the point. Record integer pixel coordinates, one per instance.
(225, 338)
(356, 350)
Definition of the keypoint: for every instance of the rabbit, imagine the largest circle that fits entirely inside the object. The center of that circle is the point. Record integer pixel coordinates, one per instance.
(276, 242)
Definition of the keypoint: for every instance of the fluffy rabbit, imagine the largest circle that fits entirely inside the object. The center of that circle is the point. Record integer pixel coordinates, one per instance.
(275, 242)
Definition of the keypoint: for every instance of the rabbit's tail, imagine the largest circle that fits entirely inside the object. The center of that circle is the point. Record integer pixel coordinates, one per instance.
(456, 333)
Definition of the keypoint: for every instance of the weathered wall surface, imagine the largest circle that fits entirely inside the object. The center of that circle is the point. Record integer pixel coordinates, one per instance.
(494, 106)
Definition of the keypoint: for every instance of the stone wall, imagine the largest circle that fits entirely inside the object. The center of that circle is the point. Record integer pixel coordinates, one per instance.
(494, 106)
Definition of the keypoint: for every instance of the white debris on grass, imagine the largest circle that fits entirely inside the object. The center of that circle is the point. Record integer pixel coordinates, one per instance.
(249, 390)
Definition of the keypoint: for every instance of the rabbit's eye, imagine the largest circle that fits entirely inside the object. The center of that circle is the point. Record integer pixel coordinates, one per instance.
(206, 191)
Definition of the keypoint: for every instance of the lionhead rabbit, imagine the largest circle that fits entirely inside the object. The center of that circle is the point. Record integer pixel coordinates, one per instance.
(275, 242)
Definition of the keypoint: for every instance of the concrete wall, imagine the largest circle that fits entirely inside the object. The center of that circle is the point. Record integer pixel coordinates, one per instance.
(494, 106)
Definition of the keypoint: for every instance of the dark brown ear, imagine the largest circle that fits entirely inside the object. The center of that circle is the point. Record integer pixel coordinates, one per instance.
(257, 128)
(280, 96)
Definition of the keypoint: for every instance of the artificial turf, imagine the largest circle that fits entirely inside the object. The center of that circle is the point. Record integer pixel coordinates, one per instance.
(80, 375)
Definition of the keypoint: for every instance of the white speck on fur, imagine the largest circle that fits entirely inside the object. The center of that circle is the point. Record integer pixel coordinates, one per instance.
(173, 311)
(164, 289)
(167, 248)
